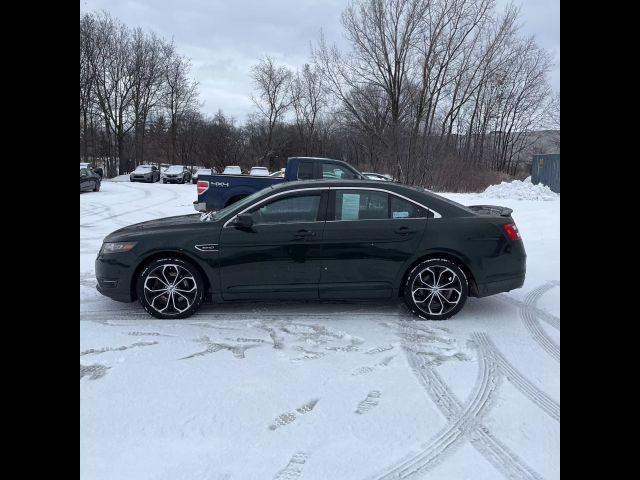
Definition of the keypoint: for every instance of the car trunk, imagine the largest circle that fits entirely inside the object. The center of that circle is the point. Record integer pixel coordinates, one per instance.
(491, 210)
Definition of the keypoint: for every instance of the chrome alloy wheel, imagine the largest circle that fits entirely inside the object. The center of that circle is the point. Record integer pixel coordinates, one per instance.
(436, 290)
(170, 289)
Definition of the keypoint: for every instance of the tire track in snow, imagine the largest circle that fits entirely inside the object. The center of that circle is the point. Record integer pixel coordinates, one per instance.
(498, 454)
(174, 196)
(537, 396)
(99, 209)
(458, 427)
(546, 317)
(533, 326)
(116, 349)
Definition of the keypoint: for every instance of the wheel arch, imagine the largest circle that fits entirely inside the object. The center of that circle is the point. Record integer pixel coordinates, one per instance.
(164, 253)
(453, 256)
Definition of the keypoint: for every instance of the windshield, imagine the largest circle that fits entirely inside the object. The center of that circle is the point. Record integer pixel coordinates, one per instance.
(143, 168)
(174, 169)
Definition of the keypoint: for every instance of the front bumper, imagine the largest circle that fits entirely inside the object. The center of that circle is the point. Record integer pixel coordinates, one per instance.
(114, 277)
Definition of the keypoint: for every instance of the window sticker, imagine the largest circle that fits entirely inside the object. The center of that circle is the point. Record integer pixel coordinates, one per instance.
(350, 206)
(400, 214)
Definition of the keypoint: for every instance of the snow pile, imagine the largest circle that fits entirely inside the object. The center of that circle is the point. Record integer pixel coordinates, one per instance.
(520, 190)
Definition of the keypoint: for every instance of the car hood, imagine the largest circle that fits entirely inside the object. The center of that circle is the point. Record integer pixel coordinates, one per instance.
(155, 226)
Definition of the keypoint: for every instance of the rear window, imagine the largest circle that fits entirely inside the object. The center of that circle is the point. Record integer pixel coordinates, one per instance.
(305, 171)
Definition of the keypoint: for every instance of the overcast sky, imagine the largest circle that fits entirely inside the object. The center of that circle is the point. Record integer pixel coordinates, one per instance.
(224, 38)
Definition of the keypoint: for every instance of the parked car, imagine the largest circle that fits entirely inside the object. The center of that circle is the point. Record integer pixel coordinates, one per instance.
(318, 240)
(145, 173)
(377, 176)
(89, 180)
(202, 171)
(232, 170)
(176, 174)
(259, 171)
(218, 191)
(91, 167)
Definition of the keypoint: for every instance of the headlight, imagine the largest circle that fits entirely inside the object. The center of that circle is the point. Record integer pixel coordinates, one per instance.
(117, 247)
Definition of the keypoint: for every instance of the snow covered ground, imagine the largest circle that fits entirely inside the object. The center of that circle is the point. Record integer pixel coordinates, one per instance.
(342, 390)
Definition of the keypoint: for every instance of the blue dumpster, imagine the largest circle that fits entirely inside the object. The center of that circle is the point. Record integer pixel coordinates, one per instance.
(545, 169)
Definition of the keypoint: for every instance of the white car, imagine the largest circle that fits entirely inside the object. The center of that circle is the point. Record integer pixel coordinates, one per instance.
(202, 171)
(259, 171)
(279, 174)
(232, 170)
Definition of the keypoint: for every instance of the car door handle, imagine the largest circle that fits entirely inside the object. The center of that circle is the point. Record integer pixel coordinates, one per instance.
(304, 234)
(405, 231)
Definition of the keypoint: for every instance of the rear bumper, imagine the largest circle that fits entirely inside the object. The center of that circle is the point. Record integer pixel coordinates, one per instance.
(486, 289)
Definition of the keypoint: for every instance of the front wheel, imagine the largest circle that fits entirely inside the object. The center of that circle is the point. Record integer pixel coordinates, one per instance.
(96, 187)
(436, 289)
(170, 288)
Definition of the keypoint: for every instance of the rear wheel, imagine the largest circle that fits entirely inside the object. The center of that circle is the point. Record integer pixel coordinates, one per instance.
(436, 289)
(170, 288)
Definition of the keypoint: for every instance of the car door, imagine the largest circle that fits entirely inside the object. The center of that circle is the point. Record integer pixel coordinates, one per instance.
(369, 235)
(280, 255)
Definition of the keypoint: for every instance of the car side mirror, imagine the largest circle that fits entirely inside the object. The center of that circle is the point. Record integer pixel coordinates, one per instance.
(244, 220)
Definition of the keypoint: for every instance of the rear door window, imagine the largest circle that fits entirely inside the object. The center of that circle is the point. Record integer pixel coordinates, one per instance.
(361, 205)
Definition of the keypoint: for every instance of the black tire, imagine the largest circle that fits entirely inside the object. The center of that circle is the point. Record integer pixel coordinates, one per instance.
(162, 305)
(96, 187)
(164, 181)
(419, 289)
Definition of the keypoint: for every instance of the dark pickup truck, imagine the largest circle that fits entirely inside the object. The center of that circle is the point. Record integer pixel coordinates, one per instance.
(218, 191)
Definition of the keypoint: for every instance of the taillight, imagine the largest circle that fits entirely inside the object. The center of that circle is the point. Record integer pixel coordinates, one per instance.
(512, 231)
(203, 186)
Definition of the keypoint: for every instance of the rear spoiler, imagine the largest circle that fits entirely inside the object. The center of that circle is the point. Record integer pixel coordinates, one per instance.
(491, 210)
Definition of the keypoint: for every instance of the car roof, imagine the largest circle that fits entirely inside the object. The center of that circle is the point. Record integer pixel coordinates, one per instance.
(419, 194)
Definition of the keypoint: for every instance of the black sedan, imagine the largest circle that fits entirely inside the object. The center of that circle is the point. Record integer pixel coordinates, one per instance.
(89, 180)
(318, 240)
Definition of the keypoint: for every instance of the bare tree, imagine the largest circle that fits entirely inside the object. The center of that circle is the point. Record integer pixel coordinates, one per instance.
(149, 57)
(113, 82)
(273, 99)
(180, 97)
